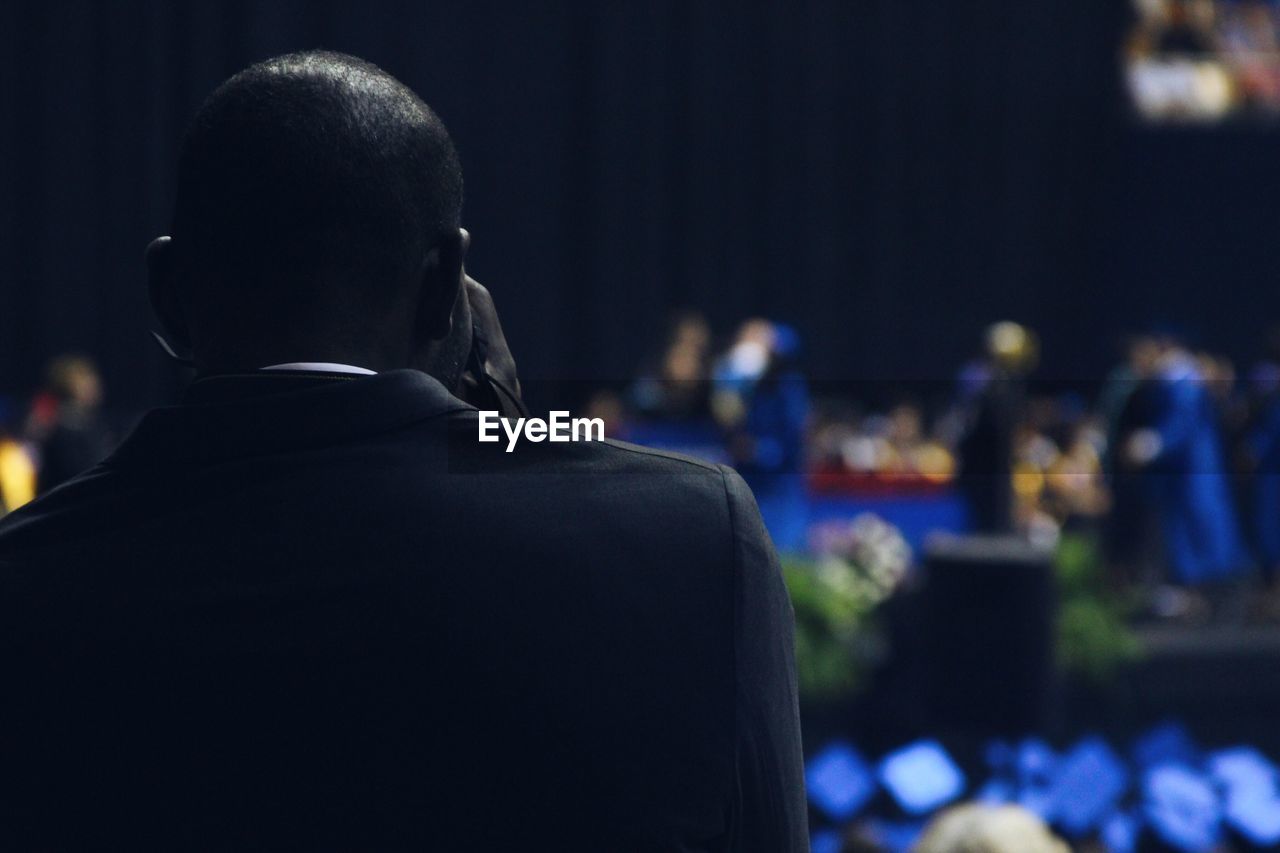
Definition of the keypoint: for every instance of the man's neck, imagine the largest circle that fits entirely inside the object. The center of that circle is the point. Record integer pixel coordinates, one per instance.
(321, 367)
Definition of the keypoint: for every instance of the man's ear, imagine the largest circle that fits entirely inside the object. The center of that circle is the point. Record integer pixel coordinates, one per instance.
(163, 292)
(441, 285)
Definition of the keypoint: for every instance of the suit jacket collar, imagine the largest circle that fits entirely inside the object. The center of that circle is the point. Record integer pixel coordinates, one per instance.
(254, 414)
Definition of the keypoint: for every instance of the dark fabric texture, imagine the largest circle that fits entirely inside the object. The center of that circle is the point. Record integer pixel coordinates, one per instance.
(302, 612)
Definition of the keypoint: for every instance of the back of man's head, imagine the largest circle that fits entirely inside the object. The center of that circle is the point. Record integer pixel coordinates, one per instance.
(311, 177)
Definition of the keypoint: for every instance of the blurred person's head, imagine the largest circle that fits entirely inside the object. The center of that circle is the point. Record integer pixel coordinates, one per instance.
(608, 407)
(1201, 13)
(756, 331)
(1145, 353)
(752, 349)
(1011, 346)
(981, 828)
(1154, 10)
(317, 219)
(771, 346)
(905, 425)
(1218, 371)
(684, 362)
(690, 329)
(688, 347)
(74, 382)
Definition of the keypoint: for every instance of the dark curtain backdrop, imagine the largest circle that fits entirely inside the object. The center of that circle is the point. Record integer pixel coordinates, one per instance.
(889, 176)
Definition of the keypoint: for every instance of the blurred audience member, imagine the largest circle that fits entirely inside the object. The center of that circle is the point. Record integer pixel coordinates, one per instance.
(1249, 42)
(1127, 405)
(911, 453)
(1187, 29)
(893, 448)
(761, 400)
(991, 390)
(1178, 66)
(836, 427)
(66, 425)
(676, 388)
(1075, 478)
(608, 407)
(979, 828)
(1184, 473)
(1057, 475)
(17, 468)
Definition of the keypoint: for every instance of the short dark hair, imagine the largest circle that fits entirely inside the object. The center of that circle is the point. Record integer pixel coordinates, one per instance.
(313, 162)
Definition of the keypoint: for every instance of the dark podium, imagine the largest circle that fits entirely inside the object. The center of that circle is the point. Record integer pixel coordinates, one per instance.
(988, 635)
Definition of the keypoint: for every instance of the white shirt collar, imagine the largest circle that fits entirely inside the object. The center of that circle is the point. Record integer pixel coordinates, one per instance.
(321, 367)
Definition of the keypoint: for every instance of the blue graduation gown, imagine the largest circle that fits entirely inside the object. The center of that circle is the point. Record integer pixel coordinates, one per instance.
(1188, 481)
(775, 420)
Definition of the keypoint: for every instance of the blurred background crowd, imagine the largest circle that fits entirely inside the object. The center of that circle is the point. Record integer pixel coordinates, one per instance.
(1197, 60)
(1170, 459)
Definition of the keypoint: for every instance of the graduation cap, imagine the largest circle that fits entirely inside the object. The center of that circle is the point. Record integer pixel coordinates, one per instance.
(1034, 765)
(921, 777)
(1035, 761)
(1256, 816)
(1087, 785)
(1242, 766)
(839, 780)
(1182, 807)
(1249, 782)
(1119, 832)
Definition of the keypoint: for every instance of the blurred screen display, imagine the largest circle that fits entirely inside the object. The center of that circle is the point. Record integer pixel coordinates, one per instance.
(1204, 61)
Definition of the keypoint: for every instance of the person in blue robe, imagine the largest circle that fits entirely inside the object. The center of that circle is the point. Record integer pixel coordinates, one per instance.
(1186, 477)
(764, 401)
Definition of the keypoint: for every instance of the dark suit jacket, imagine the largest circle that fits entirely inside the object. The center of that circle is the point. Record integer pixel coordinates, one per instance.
(315, 612)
